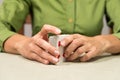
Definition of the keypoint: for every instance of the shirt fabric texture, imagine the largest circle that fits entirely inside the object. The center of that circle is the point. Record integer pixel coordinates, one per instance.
(71, 16)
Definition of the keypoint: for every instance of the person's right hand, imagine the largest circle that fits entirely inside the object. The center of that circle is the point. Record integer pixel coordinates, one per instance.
(37, 47)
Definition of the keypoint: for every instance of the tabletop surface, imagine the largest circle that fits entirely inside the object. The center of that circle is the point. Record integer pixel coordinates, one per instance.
(15, 67)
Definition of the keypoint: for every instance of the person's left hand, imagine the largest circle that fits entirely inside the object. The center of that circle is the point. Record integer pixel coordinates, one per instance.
(77, 44)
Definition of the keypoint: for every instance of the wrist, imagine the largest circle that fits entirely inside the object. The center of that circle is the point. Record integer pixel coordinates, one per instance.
(104, 41)
(20, 43)
(112, 43)
(11, 44)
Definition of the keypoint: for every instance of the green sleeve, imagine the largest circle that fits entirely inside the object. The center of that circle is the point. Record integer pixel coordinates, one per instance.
(113, 12)
(12, 16)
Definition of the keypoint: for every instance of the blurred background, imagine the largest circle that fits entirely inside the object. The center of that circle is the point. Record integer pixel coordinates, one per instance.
(28, 31)
(0, 1)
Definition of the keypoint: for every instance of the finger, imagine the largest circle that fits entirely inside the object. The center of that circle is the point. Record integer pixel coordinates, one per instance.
(36, 49)
(47, 47)
(49, 57)
(73, 46)
(92, 53)
(78, 53)
(49, 29)
(69, 39)
(34, 56)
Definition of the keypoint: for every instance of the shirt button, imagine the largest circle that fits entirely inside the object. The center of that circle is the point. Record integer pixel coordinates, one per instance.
(70, 20)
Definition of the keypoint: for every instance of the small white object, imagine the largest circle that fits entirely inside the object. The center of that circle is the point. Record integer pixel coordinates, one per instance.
(55, 41)
(81, 55)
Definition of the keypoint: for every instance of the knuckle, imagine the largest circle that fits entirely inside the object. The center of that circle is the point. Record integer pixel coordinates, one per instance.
(33, 39)
(39, 52)
(67, 54)
(34, 48)
(43, 54)
(66, 51)
(31, 46)
(45, 26)
(75, 42)
(89, 44)
(79, 50)
(34, 56)
(66, 39)
(39, 42)
(76, 35)
(35, 36)
(94, 48)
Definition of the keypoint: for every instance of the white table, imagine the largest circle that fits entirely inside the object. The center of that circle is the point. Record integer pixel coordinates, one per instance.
(15, 67)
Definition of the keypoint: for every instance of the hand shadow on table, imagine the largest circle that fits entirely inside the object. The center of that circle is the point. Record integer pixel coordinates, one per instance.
(98, 58)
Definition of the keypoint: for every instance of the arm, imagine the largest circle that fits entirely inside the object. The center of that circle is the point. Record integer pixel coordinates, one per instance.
(34, 48)
(12, 16)
(94, 46)
(10, 23)
(112, 43)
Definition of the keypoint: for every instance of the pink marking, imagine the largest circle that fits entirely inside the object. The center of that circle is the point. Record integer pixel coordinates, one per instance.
(59, 43)
(63, 54)
(59, 56)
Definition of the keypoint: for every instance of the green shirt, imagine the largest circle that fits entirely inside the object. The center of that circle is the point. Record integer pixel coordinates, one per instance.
(71, 16)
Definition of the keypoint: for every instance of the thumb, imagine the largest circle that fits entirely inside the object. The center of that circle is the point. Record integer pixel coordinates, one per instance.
(49, 29)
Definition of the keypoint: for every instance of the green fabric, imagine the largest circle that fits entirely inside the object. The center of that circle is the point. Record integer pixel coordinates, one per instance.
(71, 16)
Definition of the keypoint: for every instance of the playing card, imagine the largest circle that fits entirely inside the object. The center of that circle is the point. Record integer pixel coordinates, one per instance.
(55, 41)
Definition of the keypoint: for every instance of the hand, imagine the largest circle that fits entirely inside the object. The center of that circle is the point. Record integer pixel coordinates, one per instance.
(37, 48)
(77, 44)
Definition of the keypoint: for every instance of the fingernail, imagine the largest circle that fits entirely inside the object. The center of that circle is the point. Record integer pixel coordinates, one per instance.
(64, 55)
(56, 52)
(59, 43)
(58, 31)
(58, 56)
(55, 59)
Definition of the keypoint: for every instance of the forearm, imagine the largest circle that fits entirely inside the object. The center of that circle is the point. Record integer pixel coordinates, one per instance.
(10, 43)
(112, 43)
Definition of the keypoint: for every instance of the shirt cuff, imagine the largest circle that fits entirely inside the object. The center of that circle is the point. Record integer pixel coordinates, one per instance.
(4, 35)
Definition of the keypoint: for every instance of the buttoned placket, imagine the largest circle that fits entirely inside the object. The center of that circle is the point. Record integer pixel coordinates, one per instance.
(70, 11)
